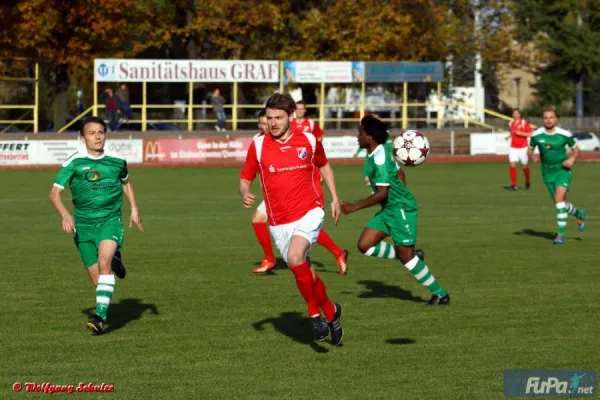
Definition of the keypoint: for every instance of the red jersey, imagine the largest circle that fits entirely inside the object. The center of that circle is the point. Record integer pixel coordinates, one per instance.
(288, 172)
(516, 141)
(308, 126)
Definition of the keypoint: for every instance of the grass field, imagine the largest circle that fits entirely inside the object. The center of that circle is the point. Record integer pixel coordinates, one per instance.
(190, 321)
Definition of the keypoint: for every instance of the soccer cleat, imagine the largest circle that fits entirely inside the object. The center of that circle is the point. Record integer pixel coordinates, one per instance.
(342, 262)
(581, 220)
(439, 301)
(558, 240)
(420, 253)
(335, 326)
(265, 265)
(117, 266)
(320, 328)
(96, 324)
(514, 188)
(527, 186)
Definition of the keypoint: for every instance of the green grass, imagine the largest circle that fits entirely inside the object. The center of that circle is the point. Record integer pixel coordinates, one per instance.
(184, 318)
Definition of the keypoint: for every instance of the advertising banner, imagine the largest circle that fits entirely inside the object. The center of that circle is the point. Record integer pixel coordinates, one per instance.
(341, 147)
(195, 150)
(317, 72)
(489, 143)
(133, 70)
(17, 152)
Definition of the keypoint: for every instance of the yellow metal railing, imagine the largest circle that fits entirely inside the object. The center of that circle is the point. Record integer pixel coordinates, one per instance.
(31, 107)
(77, 118)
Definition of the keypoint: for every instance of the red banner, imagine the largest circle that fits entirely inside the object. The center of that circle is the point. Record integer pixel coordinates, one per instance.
(204, 150)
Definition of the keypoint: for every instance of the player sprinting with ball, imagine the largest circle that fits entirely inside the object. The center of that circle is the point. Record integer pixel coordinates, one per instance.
(98, 182)
(287, 162)
(398, 215)
(259, 222)
(551, 141)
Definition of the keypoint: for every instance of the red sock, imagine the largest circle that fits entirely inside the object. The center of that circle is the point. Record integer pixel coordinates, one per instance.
(526, 172)
(264, 238)
(513, 175)
(304, 280)
(324, 302)
(325, 241)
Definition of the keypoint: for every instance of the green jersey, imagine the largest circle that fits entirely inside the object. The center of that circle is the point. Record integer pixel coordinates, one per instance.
(382, 170)
(552, 146)
(95, 184)
(387, 145)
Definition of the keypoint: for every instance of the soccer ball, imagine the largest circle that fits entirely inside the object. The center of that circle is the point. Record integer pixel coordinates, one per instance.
(411, 148)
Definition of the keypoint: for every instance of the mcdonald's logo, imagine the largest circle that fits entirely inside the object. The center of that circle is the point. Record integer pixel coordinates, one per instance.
(153, 151)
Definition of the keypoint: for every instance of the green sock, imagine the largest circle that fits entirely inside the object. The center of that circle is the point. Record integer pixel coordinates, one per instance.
(572, 210)
(421, 273)
(104, 292)
(381, 250)
(561, 217)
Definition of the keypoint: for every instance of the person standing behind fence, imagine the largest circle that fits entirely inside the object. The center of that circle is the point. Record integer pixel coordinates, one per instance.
(217, 102)
(113, 109)
(123, 95)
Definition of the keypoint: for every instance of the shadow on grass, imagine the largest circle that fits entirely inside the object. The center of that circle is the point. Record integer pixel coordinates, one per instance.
(401, 341)
(120, 314)
(378, 290)
(295, 326)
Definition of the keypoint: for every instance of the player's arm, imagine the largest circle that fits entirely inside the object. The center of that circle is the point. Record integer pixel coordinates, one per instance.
(129, 193)
(247, 175)
(320, 160)
(318, 132)
(531, 148)
(402, 176)
(68, 224)
(568, 163)
(380, 195)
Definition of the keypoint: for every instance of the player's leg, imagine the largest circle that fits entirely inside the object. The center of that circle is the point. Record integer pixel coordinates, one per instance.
(513, 158)
(524, 160)
(370, 242)
(403, 228)
(259, 223)
(341, 255)
(563, 183)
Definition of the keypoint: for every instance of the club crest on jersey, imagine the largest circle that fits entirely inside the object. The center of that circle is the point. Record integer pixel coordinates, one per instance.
(271, 168)
(302, 153)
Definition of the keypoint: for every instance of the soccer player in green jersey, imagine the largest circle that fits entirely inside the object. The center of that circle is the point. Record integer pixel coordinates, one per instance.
(398, 215)
(551, 141)
(97, 181)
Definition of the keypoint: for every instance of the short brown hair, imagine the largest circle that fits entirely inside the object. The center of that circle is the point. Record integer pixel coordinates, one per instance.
(280, 101)
(550, 108)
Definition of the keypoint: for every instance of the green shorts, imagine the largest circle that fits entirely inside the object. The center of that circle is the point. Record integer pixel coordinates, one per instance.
(401, 225)
(88, 237)
(562, 177)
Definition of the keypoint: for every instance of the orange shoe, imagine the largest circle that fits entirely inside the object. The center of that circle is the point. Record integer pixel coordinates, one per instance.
(265, 265)
(342, 262)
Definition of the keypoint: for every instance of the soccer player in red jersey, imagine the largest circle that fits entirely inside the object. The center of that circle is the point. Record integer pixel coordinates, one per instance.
(286, 161)
(304, 124)
(520, 130)
(259, 224)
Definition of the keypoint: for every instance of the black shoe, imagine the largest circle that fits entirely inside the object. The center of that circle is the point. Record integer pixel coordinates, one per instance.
(117, 266)
(439, 301)
(514, 188)
(320, 328)
(335, 326)
(527, 185)
(96, 324)
(420, 253)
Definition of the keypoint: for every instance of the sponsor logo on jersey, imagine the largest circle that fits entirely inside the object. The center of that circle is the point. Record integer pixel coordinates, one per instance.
(92, 176)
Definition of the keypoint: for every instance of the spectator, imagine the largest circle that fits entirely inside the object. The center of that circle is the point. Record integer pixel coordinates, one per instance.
(217, 102)
(80, 102)
(113, 109)
(123, 95)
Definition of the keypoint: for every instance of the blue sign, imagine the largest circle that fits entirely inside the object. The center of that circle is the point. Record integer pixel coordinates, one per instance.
(404, 71)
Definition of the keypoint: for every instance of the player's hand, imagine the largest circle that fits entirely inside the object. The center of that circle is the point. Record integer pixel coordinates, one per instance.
(248, 200)
(535, 158)
(335, 210)
(568, 163)
(135, 219)
(367, 181)
(347, 208)
(68, 224)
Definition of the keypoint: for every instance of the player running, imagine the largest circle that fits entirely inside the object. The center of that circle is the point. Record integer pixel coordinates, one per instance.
(304, 124)
(97, 181)
(398, 214)
(520, 130)
(259, 223)
(556, 168)
(286, 161)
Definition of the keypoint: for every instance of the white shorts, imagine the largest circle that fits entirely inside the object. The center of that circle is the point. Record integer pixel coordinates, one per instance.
(518, 155)
(308, 227)
(262, 208)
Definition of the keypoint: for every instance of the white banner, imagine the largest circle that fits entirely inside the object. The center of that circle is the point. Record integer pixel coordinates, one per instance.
(341, 147)
(132, 70)
(489, 143)
(317, 72)
(55, 152)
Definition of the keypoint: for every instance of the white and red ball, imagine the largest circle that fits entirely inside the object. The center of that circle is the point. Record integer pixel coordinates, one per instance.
(411, 148)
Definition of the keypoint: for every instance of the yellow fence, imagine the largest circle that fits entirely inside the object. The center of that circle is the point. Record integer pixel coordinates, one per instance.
(32, 109)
